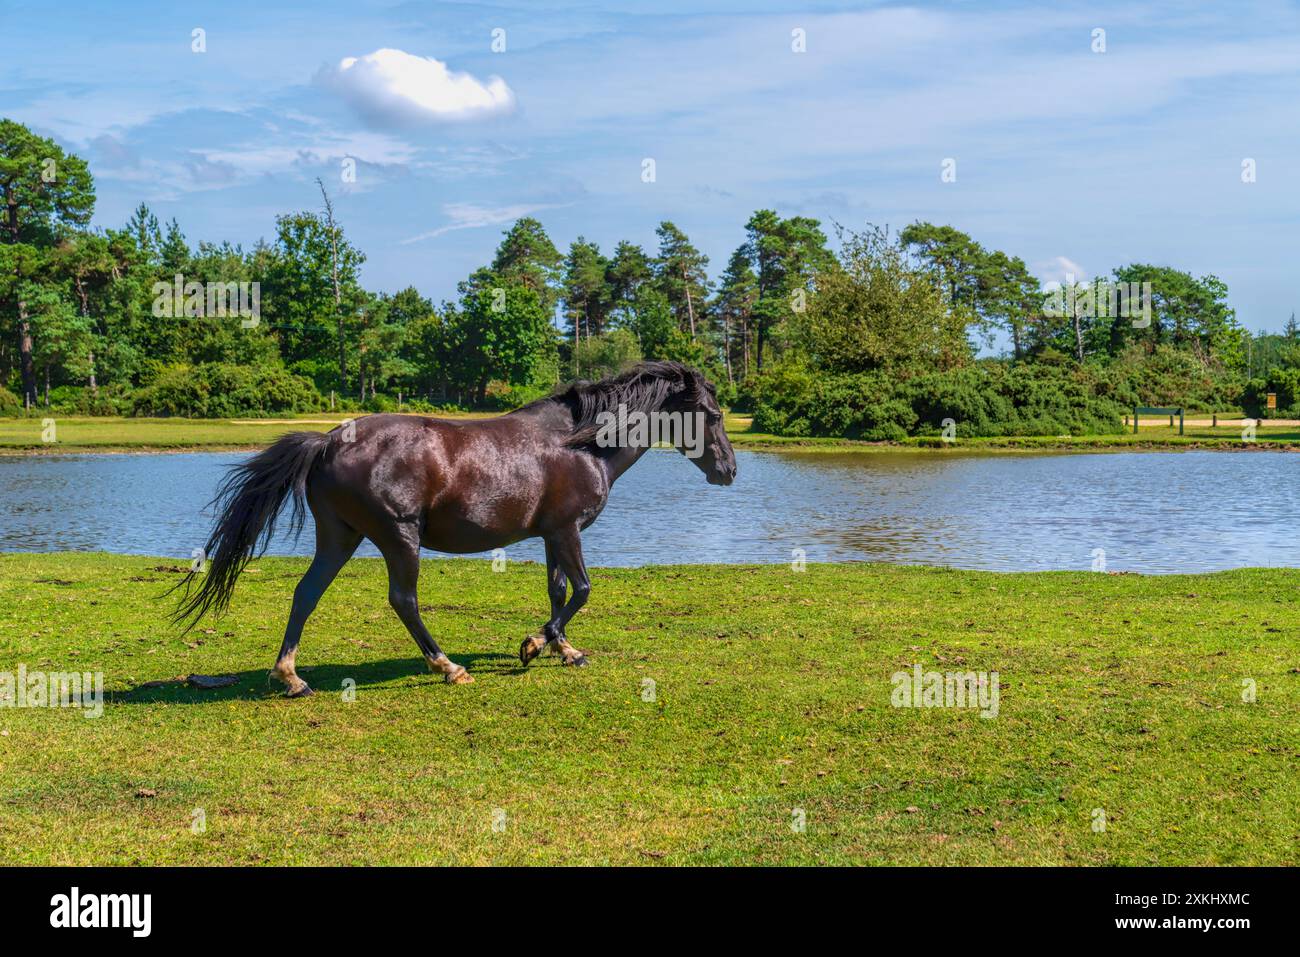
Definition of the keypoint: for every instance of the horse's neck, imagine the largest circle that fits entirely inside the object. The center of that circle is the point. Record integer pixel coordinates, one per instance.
(622, 459)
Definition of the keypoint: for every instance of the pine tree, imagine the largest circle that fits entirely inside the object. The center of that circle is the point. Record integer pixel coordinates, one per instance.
(680, 274)
(587, 298)
(734, 305)
(528, 256)
(629, 269)
(143, 228)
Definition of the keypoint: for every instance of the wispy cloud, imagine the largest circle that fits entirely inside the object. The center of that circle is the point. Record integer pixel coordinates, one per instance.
(474, 216)
(225, 148)
(1059, 268)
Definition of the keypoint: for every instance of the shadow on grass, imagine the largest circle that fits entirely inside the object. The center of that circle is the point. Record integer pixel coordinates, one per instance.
(323, 679)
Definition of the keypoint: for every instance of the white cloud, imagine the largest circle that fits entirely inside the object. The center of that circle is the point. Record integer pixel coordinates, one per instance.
(473, 216)
(1058, 269)
(395, 88)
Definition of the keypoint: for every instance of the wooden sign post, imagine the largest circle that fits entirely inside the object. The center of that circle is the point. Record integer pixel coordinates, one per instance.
(1157, 410)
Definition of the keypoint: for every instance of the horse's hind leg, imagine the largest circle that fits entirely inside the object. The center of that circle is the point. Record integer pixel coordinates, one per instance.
(401, 551)
(335, 543)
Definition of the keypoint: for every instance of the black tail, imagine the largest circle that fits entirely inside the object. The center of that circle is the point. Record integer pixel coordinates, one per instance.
(247, 503)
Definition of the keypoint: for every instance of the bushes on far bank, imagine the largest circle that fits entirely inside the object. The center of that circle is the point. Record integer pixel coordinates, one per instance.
(1166, 376)
(10, 404)
(1000, 398)
(791, 399)
(1052, 395)
(218, 390)
(986, 398)
(1285, 383)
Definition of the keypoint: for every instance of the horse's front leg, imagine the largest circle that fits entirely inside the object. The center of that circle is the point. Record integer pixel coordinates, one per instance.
(563, 563)
(557, 587)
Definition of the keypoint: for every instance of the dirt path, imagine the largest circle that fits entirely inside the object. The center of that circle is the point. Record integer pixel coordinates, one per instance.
(1162, 422)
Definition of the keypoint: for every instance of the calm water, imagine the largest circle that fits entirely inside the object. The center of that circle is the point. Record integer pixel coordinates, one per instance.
(1149, 511)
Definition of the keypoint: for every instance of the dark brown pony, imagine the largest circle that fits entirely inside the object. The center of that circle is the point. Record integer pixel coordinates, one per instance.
(405, 481)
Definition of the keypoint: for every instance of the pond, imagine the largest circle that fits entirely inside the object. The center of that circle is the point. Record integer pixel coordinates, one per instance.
(1146, 511)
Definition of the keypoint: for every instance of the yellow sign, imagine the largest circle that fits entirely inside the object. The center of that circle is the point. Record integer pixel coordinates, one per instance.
(1272, 400)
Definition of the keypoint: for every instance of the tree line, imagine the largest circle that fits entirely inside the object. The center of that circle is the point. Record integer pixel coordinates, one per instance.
(87, 333)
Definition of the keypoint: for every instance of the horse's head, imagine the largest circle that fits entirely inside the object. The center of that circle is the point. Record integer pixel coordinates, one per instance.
(702, 437)
(647, 404)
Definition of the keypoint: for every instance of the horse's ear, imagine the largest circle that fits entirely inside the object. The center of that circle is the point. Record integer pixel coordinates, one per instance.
(695, 383)
(683, 376)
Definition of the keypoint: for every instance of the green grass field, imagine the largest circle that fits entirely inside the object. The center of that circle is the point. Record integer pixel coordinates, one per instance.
(84, 434)
(772, 691)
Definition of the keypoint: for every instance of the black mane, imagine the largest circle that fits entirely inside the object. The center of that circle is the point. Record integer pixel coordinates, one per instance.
(643, 388)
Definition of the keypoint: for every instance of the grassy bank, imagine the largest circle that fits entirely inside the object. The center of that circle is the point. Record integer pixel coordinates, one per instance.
(84, 434)
(771, 695)
(1226, 438)
(106, 434)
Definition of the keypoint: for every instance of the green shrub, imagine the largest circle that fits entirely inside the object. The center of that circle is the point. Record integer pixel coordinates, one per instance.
(1171, 377)
(218, 390)
(792, 400)
(81, 400)
(975, 399)
(1283, 381)
(323, 372)
(987, 398)
(425, 407)
(10, 404)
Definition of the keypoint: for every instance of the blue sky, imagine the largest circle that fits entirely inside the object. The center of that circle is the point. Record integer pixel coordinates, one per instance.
(1072, 159)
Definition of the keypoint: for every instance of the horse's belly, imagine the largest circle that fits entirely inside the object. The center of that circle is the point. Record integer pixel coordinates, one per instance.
(466, 544)
(448, 530)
